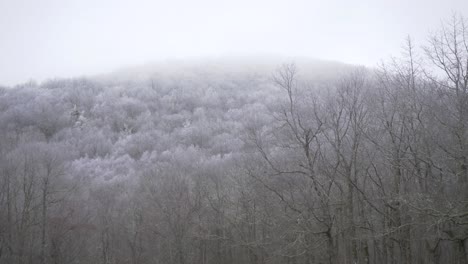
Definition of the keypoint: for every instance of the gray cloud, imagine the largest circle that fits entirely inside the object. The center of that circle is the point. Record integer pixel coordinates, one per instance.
(53, 38)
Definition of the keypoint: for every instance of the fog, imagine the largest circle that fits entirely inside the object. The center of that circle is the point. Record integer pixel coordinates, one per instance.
(52, 38)
(242, 132)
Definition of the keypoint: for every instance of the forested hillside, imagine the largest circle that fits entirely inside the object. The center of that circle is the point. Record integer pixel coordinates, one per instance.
(312, 162)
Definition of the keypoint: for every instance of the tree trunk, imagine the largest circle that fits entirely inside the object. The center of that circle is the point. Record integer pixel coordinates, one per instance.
(44, 221)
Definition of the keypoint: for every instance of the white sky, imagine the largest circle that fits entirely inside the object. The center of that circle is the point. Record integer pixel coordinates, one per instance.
(61, 38)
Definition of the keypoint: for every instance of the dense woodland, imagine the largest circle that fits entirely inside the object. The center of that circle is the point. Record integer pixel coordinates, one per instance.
(288, 166)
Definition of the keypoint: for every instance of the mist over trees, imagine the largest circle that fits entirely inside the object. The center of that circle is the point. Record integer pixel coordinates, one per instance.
(241, 166)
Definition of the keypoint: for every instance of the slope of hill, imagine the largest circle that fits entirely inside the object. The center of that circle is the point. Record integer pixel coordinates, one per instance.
(233, 161)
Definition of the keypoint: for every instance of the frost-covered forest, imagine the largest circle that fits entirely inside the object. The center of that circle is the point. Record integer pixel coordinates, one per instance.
(306, 162)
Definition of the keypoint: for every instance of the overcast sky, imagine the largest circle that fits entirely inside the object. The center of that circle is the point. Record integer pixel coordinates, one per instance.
(61, 38)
